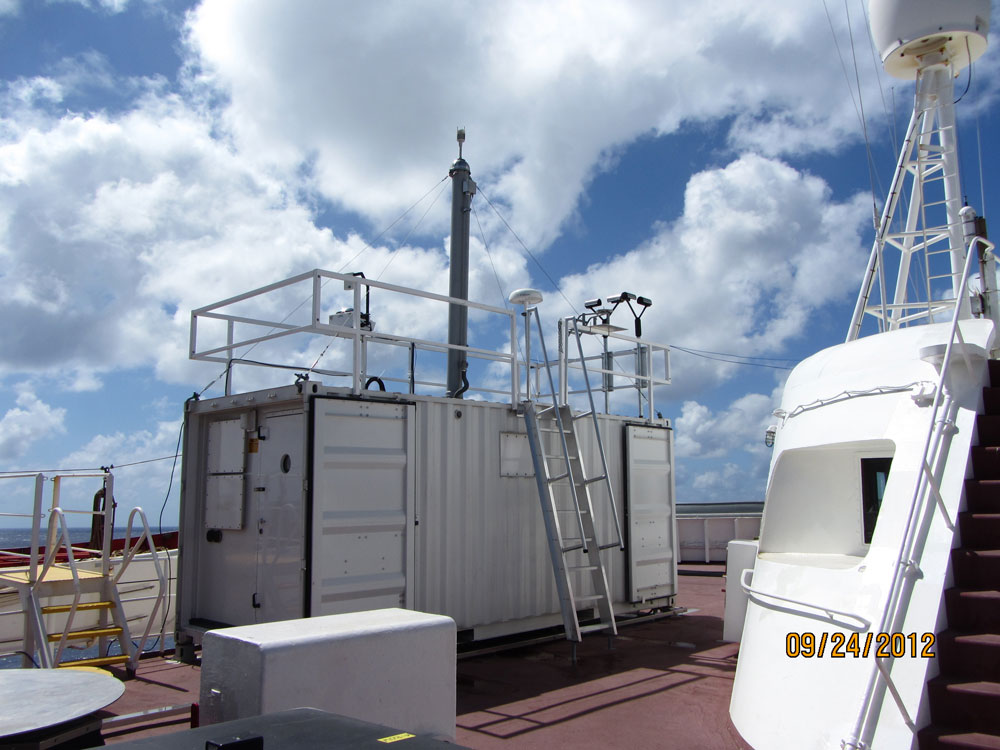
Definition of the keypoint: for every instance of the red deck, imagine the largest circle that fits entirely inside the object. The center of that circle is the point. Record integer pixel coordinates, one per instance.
(666, 683)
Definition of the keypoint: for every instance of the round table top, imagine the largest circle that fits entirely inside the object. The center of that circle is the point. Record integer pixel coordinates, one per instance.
(38, 698)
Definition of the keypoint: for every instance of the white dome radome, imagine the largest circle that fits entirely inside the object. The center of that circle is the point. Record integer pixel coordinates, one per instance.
(905, 30)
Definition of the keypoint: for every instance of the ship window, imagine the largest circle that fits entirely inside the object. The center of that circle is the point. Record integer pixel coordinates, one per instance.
(874, 476)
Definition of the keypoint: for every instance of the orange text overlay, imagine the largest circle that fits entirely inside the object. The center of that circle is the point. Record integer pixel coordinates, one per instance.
(860, 645)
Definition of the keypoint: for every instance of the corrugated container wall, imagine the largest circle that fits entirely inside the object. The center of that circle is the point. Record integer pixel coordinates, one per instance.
(463, 538)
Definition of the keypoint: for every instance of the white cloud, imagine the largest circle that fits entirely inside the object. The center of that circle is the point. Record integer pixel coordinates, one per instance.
(548, 92)
(28, 422)
(758, 248)
(143, 485)
(704, 434)
(10, 7)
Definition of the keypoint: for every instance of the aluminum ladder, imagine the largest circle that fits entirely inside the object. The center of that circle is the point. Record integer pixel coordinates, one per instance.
(564, 490)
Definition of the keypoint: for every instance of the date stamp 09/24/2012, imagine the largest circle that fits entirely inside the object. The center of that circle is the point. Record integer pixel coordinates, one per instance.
(856, 645)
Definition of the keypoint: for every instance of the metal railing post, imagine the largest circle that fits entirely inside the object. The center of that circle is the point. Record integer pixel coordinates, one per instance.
(36, 522)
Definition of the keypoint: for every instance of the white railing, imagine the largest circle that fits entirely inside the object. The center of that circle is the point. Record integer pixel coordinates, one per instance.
(128, 553)
(830, 613)
(906, 566)
(353, 327)
(641, 377)
(57, 538)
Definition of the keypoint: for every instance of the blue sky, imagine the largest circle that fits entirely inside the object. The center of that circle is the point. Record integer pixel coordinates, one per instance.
(156, 156)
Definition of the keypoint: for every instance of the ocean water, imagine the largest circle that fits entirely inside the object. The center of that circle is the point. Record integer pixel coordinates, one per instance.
(21, 537)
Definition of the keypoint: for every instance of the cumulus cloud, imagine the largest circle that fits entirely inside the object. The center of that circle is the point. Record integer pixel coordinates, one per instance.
(704, 434)
(759, 247)
(115, 222)
(28, 422)
(548, 92)
(143, 485)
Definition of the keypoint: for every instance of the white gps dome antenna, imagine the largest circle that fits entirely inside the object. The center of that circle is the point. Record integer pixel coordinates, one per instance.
(905, 31)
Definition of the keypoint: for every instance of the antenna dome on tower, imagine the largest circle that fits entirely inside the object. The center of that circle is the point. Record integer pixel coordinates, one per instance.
(905, 30)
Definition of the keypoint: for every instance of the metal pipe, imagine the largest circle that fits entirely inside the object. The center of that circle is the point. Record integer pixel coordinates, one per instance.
(462, 190)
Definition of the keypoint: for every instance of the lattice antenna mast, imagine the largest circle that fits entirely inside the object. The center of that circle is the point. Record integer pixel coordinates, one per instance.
(928, 41)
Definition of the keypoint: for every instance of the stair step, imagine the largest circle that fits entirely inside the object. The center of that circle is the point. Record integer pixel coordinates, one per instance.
(588, 598)
(82, 607)
(593, 628)
(988, 429)
(980, 530)
(991, 400)
(986, 460)
(974, 706)
(970, 609)
(976, 569)
(934, 738)
(101, 661)
(983, 495)
(75, 635)
(971, 656)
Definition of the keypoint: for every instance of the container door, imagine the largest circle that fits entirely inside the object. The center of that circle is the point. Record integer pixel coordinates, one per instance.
(251, 550)
(650, 508)
(276, 469)
(362, 506)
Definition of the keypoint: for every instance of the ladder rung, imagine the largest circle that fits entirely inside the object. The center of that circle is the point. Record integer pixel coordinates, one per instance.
(589, 598)
(595, 627)
(558, 477)
(583, 414)
(554, 430)
(571, 548)
(598, 478)
(83, 607)
(581, 567)
(101, 661)
(92, 633)
(582, 511)
(609, 545)
(544, 410)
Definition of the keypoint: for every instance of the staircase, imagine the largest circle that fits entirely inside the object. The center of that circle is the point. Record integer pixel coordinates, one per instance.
(965, 697)
(564, 491)
(101, 596)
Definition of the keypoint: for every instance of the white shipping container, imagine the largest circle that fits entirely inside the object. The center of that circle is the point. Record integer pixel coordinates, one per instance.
(307, 500)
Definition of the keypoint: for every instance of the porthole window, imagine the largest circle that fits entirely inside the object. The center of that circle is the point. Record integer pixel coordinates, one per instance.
(286, 464)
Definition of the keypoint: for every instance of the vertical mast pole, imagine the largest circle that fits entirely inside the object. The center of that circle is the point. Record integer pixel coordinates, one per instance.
(463, 188)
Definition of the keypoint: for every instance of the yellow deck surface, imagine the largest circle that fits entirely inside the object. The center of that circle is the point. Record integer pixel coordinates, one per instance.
(53, 574)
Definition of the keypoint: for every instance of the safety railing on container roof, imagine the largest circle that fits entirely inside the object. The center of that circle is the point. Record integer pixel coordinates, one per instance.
(349, 323)
(641, 354)
(906, 566)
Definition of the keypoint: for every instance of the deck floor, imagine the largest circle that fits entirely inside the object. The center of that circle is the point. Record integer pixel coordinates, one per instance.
(666, 683)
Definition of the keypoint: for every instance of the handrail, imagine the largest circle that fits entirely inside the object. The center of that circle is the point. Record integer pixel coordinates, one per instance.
(643, 380)
(562, 431)
(905, 564)
(600, 440)
(352, 330)
(129, 552)
(58, 518)
(865, 624)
